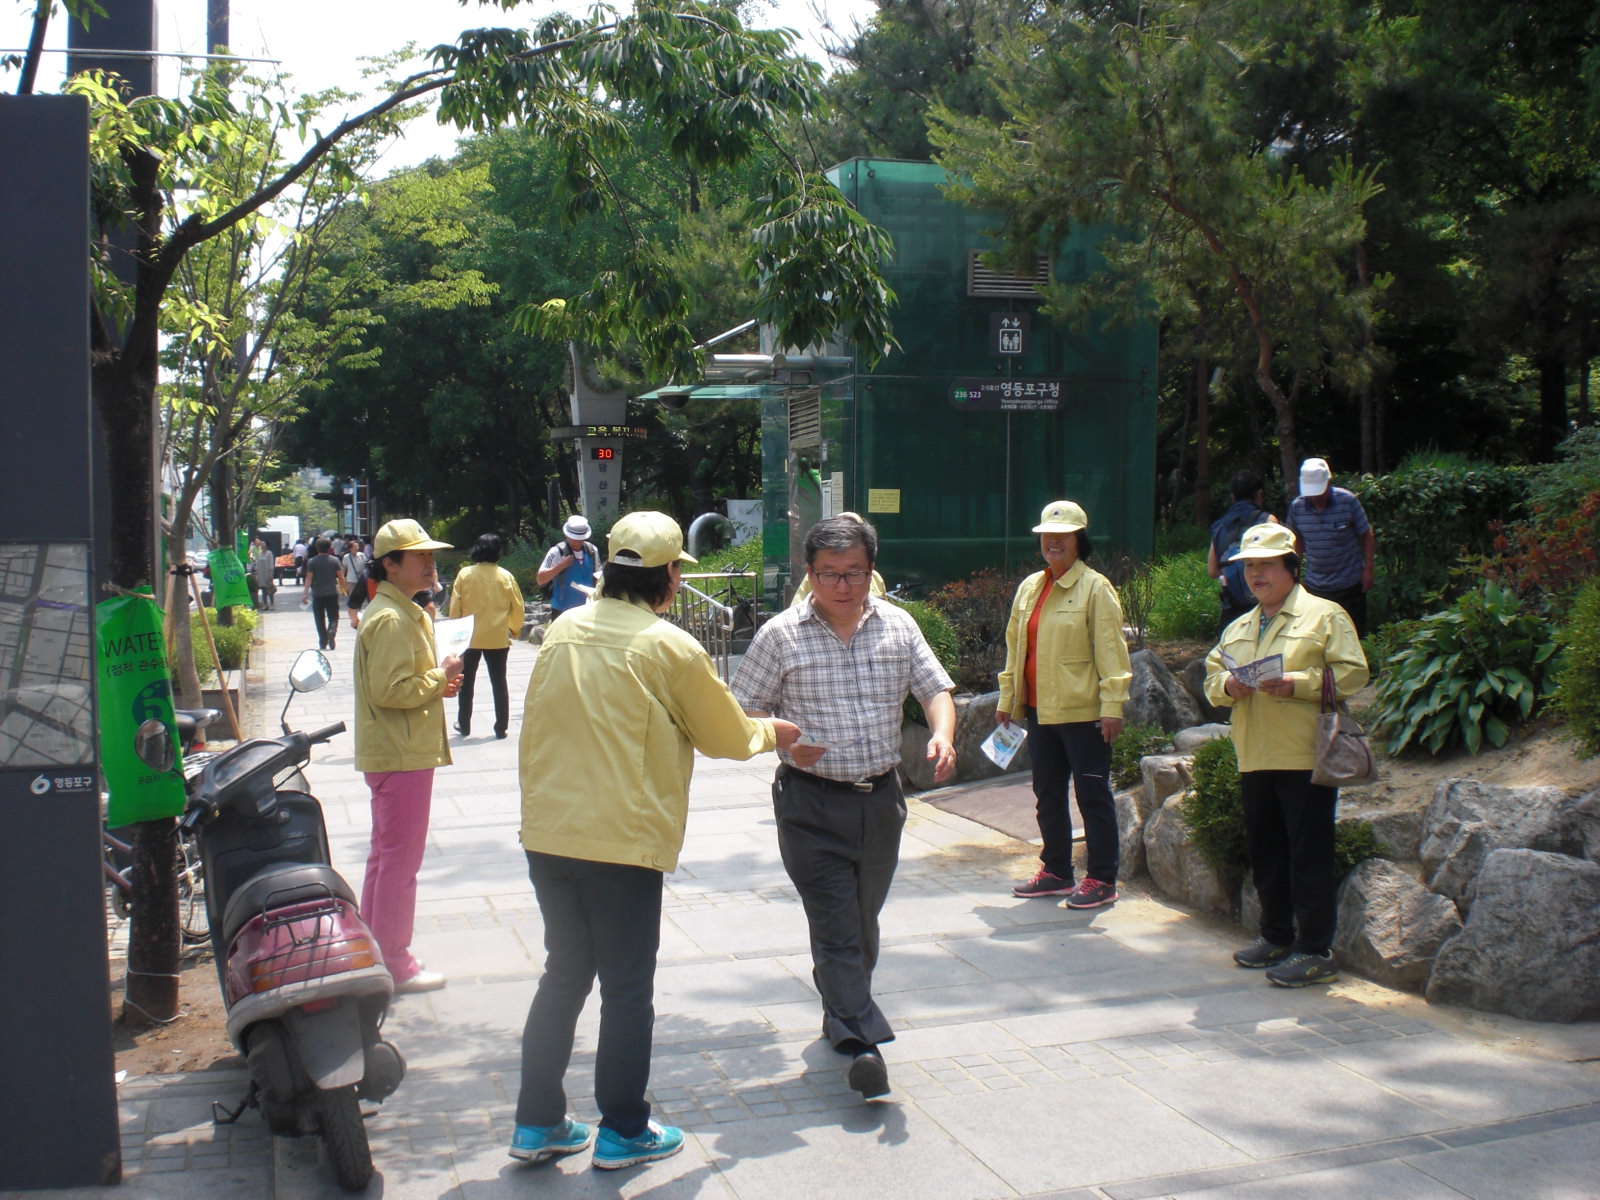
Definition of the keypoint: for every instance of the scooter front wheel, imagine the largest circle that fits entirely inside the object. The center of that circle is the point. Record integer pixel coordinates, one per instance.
(344, 1135)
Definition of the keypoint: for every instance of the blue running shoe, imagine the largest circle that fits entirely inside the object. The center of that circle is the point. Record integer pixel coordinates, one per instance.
(612, 1150)
(540, 1143)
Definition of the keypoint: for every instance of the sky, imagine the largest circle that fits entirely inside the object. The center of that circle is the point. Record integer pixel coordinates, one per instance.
(321, 42)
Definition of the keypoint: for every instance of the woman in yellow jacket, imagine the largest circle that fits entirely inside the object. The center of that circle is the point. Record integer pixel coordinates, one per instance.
(400, 738)
(488, 593)
(1067, 677)
(1288, 819)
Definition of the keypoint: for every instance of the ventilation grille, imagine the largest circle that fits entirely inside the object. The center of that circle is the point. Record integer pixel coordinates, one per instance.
(985, 281)
(805, 418)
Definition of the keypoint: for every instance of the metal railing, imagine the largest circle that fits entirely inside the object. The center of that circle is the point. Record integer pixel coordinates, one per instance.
(711, 621)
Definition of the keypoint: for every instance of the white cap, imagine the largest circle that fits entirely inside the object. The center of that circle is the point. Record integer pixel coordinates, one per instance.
(1314, 476)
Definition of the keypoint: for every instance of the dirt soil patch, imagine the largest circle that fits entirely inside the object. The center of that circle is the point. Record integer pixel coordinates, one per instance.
(196, 1040)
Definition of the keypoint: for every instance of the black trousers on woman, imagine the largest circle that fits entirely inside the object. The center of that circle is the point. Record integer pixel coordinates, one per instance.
(1288, 825)
(495, 660)
(1078, 751)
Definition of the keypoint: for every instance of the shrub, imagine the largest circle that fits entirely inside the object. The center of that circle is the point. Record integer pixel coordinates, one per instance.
(738, 559)
(1135, 742)
(1184, 599)
(1213, 811)
(233, 641)
(941, 639)
(1465, 674)
(978, 609)
(522, 559)
(1577, 694)
(1353, 843)
(1551, 554)
(1429, 513)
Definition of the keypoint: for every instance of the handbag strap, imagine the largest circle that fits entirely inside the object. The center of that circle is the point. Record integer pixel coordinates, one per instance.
(1330, 700)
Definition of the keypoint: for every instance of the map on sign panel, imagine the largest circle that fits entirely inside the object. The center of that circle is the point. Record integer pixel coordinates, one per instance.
(46, 656)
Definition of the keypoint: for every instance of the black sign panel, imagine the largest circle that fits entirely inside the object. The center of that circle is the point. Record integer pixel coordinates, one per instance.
(1007, 395)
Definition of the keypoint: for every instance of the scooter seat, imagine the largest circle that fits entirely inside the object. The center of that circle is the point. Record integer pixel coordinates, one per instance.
(290, 884)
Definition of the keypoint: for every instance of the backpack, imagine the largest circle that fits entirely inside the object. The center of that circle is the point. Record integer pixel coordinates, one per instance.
(546, 590)
(1233, 572)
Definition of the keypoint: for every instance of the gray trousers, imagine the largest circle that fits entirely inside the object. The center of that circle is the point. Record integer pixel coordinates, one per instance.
(841, 848)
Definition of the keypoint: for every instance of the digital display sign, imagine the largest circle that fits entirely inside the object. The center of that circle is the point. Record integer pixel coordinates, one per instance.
(603, 453)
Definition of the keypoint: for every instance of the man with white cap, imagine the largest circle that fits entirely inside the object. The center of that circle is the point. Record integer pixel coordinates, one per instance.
(1334, 540)
(569, 567)
(619, 702)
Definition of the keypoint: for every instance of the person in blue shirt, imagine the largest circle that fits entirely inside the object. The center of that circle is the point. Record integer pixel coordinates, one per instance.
(1334, 540)
(569, 566)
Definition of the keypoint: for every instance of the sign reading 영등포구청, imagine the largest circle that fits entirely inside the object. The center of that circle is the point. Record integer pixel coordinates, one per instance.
(1007, 395)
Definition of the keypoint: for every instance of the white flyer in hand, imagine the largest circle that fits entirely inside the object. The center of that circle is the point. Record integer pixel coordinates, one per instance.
(1002, 745)
(1254, 674)
(452, 636)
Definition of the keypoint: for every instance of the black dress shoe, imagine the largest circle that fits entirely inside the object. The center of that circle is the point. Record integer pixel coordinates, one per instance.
(463, 730)
(868, 1075)
(500, 734)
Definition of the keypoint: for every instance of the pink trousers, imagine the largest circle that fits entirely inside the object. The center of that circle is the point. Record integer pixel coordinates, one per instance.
(400, 804)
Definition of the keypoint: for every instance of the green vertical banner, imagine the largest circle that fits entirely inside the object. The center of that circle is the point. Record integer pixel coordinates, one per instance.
(134, 687)
(227, 580)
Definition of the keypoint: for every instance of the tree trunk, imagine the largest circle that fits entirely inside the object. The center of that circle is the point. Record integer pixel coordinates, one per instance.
(222, 513)
(1288, 450)
(1552, 405)
(1202, 443)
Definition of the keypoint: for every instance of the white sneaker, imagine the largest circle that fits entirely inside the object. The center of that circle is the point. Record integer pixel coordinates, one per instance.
(422, 981)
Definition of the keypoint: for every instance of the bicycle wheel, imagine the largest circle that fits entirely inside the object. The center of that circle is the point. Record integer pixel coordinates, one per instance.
(192, 920)
(344, 1136)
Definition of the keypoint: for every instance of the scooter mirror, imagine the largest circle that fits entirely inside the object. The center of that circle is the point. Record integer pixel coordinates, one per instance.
(310, 671)
(152, 742)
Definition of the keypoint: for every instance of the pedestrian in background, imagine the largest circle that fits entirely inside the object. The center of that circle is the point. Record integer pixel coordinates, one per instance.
(1334, 541)
(263, 569)
(569, 567)
(1248, 508)
(619, 702)
(488, 593)
(1288, 820)
(323, 576)
(1066, 677)
(400, 739)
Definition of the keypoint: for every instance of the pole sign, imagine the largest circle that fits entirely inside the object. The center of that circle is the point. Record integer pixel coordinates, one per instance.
(1007, 395)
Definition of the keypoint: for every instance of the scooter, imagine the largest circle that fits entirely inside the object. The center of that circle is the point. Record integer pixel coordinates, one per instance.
(302, 976)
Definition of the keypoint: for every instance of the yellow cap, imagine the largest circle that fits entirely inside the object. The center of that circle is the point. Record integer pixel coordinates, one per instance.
(1267, 540)
(1061, 516)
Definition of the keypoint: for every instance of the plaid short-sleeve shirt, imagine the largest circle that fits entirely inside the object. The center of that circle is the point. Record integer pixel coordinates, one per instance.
(848, 697)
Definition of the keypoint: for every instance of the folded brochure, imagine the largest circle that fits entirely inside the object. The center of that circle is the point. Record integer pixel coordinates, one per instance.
(1002, 745)
(1254, 674)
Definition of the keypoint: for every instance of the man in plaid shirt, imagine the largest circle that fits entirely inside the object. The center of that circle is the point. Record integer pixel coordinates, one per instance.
(839, 664)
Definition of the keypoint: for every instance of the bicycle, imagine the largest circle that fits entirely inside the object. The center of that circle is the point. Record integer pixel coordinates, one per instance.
(192, 924)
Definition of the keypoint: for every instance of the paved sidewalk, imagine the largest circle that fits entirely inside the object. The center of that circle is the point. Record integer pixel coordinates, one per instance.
(1040, 1051)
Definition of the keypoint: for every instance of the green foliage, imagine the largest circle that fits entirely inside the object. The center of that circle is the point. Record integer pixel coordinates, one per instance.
(233, 641)
(1465, 674)
(1134, 742)
(978, 608)
(1353, 843)
(1213, 811)
(1184, 602)
(1427, 515)
(741, 559)
(942, 641)
(1577, 695)
(1180, 537)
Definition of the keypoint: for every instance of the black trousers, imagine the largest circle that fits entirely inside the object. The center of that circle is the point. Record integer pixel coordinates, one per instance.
(1352, 599)
(1078, 751)
(599, 919)
(325, 612)
(841, 848)
(1288, 824)
(495, 660)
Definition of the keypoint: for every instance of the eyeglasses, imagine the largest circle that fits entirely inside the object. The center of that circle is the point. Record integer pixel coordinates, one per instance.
(834, 578)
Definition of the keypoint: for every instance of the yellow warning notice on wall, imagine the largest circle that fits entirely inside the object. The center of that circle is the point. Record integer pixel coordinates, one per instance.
(883, 500)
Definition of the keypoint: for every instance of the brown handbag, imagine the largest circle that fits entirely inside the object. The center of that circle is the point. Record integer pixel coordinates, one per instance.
(1344, 756)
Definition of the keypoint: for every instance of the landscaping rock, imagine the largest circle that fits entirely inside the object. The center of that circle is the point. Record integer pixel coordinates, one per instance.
(1156, 698)
(1390, 926)
(1130, 835)
(1176, 867)
(1187, 741)
(1250, 908)
(1398, 830)
(1194, 682)
(1164, 775)
(1469, 820)
(974, 722)
(1531, 945)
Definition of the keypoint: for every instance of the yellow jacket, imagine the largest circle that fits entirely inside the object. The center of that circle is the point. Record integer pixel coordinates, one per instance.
(1313, 635)
(1082, 655)
(488, 593)
(619, 702)
(399, 688)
